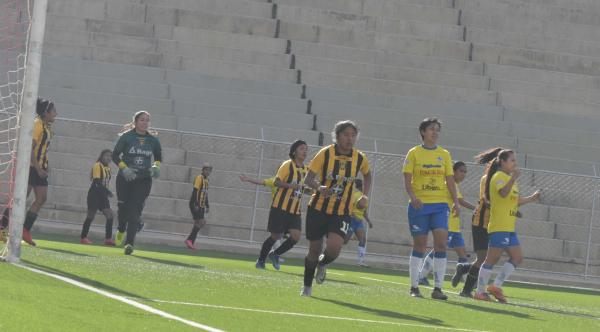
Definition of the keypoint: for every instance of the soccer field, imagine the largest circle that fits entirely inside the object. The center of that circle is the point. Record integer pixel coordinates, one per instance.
(226, 292)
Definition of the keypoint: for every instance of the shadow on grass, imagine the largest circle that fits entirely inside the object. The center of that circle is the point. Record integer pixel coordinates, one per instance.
(487, 309)
(169, 262)
(87, 281)
(553, 311)
(68, 252)
(385, 313)
(328, 280)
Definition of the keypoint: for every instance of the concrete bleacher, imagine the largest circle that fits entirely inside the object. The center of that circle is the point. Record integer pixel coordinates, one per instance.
(524, 74)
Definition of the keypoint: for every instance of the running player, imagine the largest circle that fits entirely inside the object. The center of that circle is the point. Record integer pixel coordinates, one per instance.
(480, 221)
(502, 191)
(284, 215)
(199, 204)
(133, 153)
(97, 198)
(332, 174)
(455, 238)
(357, 227)
(428, 177)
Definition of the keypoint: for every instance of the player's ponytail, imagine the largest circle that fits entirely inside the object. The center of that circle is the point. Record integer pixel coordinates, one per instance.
(486, 156)
(493, 167)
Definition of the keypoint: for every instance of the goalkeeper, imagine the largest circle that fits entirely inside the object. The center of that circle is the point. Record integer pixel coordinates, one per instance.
(133, 153)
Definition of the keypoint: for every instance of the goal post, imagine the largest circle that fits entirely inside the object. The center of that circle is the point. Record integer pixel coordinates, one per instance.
(21, 154)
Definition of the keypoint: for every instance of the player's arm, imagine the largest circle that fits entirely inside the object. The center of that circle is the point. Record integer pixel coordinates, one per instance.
(466, 204)
(280, 184)
(37, 132)
(257, 182)
(311, 182)
(367, 183)
(195, 192)
(453, 193)
(530, 199)
(368, 220)
(206, 202)
(504, 191)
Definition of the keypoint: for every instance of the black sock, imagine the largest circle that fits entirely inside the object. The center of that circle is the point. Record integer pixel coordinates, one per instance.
(5, 218)
(194, 234)
(29, 220)
(121, 218)
(266, 247)
(285, 246)
(309, 272)
(326, 259)
(471, 279)
(463, 268)
(86, 227)
(108, 228)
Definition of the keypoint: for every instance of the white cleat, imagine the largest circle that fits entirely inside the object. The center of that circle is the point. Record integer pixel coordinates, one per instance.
(321, 273)
(306, 291)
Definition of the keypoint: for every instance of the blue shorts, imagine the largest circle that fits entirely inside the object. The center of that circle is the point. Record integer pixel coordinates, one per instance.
(503, 239)
(429, 217)
(355, 225)
(455, 240)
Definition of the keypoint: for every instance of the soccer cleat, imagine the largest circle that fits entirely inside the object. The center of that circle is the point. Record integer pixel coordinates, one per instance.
(128, 249)
(497, 293)
(119, 238)
(260, 264)
(482, 297)
(306, 291)
(190, 245)
(109, 242)
(466, 294)
(458, 274)
(437, 294)
(424, 282)
(27, 237)
(321, 273)
(415, 292)
(363, 264)
(274, 260)
(85, 240)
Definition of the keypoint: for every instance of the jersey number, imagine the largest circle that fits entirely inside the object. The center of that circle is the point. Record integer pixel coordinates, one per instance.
(345, 227)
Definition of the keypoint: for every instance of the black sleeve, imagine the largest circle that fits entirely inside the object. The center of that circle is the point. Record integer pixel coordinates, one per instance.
(206, 200)
(118, 150)
(194, 198)
(157, 151)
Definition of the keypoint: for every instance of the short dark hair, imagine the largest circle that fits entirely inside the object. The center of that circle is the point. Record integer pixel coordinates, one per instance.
(458, 165)
(341, 126)
(43, 106)
(426, 123)
(294, 147)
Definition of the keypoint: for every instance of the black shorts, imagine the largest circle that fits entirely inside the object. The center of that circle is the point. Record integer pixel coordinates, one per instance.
(35, 180)
(319, 224)
(197, 214)
(97, 200)
(280, 221)
(480, 238)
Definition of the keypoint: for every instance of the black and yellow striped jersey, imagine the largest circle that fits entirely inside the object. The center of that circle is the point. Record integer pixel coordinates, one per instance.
(337, 172)
(201, 191)
(101, 175)
(42, 136)
(287, 199)
(481, 217)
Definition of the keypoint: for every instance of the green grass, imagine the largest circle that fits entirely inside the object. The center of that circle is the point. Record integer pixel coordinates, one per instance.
(34, 302)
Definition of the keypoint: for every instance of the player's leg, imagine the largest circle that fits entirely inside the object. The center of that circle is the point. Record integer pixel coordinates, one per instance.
(316, 228)
(123, 197)
(419, 228)
(440, 261)
(108, 228)
(480, 245)
(140, 191)
(333, 246)
(516, 257)
(294, 226)
(91, 213)
(276, 226)
(426, 268)
(462, 267)
(495, 249)
(362, 245)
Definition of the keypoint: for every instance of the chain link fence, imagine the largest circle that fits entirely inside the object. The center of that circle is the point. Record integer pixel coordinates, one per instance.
(559, 235)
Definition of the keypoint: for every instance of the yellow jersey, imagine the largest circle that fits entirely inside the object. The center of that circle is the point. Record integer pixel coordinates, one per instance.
(270, 183)
(357, 212)
(454, 221)
(503, 214)
(429, 169)
(42, 136)
(201, 185)
(101, 174)
(481, 217)
(287, 199)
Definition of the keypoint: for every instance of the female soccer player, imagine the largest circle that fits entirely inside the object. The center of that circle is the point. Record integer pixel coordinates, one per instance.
(199, 204)
(38, 171)
(357, 227)
(428, 177)
(480, 221)
(133, 154)
(502, 191)
(332, 174)
(269, 183)
(455, 238)
(285, 207)
(97, 198)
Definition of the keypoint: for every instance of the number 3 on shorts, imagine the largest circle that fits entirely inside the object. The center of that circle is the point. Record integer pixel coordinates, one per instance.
(345, 226)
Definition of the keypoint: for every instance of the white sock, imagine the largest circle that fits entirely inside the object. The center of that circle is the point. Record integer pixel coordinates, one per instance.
(483, 279)
(427, 267)
(414, 265)
(276, 245)
(361, 254)
(439, 271)
(507, 270)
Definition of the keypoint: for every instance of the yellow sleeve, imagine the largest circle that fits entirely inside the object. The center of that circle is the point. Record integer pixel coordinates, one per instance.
(365, 167)
(409, 162)
(316, 165)
(38, 130)
(284, 171)
(458, 193)
(198, 182)
(498, 182)
(356, 195)
(449, 165)
(270, 182)
(97, 171)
